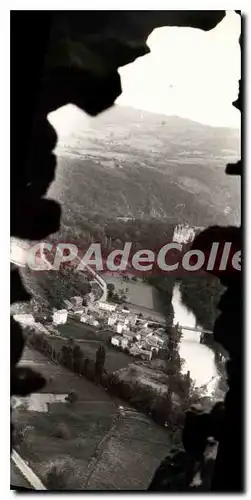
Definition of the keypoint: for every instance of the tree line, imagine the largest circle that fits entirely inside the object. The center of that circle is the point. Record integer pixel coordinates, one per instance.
(201, 294)
(166, 408)
(70, 356)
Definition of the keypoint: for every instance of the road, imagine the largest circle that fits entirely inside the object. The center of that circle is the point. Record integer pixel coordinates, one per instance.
(23, 475)
(16, 477)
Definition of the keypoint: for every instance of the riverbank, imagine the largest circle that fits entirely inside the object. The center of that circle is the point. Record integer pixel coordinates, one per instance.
(199, 359)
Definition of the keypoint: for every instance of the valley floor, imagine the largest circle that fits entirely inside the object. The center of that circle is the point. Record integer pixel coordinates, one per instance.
(107, 446)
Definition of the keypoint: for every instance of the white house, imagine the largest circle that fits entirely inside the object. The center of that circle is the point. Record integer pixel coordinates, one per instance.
(183, 233)
(119, 328)
(123, 318)
(106, 306)
(124, 342)
(111, 320)
(25, 319)
(116, 340)
(126, 311)
(132, 319)
(95, 322)
(60, 317)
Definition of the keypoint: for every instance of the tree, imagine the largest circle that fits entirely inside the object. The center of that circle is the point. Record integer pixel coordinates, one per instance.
(100, 361)
(110, 290)
(201, 294)
(72, 397)
(62, 431)
(56, 479)
(180, 388)
(49, 349)
(19, 435)
(83, 367)
(90, 372)
(77, 354)
(66, 357)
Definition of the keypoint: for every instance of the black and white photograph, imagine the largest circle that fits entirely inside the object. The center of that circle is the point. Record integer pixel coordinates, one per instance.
(127, 338)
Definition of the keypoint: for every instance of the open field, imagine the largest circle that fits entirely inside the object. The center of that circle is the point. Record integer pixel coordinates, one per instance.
(108, 446)
(138, 293)
(76, 330)
(80, 331)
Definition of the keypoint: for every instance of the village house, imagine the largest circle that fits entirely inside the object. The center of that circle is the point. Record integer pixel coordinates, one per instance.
(68, 304)
(146, 355)
(111, 320)
(116, 340)
(77, 301)
(124, 343)
(77, 310)
(93, 322)
(119, 328)
(151, 343)
(122, 318)
(129, 335)
(60, 316)
(25, 319)
(106, 306)
(144, 332)
(125, 311)
(156, 338)
(90, 299)
(134, 350)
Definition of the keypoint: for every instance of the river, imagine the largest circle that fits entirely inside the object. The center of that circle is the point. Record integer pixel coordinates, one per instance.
(198, 358)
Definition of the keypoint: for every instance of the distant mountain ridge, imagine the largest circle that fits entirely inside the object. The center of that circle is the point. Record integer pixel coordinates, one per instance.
(132, 163)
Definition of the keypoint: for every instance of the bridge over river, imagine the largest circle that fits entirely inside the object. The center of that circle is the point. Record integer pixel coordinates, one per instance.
(196, 333)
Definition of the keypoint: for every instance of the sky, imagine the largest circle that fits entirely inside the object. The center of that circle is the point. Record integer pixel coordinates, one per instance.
(189, 73)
